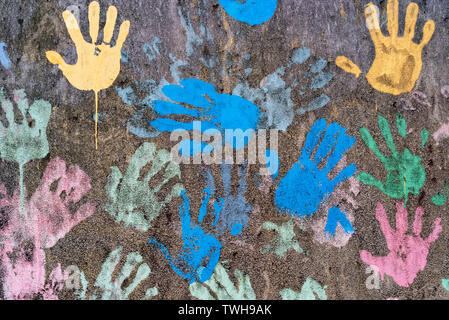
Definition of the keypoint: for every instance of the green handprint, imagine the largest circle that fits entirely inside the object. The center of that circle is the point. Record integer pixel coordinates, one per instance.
(25, 141)
(308, 291)
(222, 286)
(284, 241)
(405, 172)
(135, 204)
(107, 289)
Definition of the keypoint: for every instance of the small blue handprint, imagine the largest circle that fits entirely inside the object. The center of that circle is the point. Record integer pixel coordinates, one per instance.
(200, 252)
(234, 208)
(303, 189)
(215, 110)
(334, 217)
(253, 12)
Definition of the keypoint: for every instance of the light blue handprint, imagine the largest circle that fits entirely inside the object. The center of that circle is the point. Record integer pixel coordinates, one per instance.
(234, 208)
(276, 97)
(303, 189)
(200, 252)
(216, 111)
(253, 12)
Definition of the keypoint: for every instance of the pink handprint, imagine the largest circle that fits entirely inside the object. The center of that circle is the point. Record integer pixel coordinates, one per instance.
(408, 253)
(52, 208)
(46, 219)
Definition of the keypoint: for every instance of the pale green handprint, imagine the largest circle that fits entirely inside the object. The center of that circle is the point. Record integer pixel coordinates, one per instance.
(105, 288)
(135, 204)
(405, 172)
(25, 141)
(284, 241)
(221, 285)
(311, 290)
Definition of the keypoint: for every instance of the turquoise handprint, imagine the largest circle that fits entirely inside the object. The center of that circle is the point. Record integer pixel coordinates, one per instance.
(25, 141)
(130, 200)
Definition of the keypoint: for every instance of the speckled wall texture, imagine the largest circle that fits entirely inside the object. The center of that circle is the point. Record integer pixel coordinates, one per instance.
(224, 149)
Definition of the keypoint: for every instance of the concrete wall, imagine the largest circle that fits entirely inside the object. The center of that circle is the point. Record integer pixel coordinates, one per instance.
(84, 217)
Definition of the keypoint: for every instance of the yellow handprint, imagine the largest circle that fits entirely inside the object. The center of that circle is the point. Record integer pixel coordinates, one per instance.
(398, 60)
(98, 65)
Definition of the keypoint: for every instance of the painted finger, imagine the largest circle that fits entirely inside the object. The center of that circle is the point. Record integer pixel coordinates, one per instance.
(437, 228)
(270, 226)
(176, 190)
(326, 145)
(385, 226)
(410, 20)
(131, 263)
(370, 260)
(161, 160)
(166, 108)
(393, 17)
(142, 273)
(123, 34)
(334, 217)
(114, 179)
(8, 108)
(55, 170)
(372, 23)
(204, 204)
(169, 125)
(218, 207)
(429, 29)
(417, 224)
(208, 270)
(345, 174)
(386, 133)
(111, 18)
(73, 28)
(191, 93)
(242, 181)
(401, 218)
(94, 20)
(348, 66)
(210, 181)
(226, 178)
(108, 267)
(369, 180)
(371, 144)
(344, 143)
(313, 138)
(184, 211)
(55, 58)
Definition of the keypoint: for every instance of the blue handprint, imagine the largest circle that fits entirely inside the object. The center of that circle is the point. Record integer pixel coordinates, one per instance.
(336, 216)
(253, 12)
(216, 111)
(303, 189)
(233, 209)
(200, 252)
